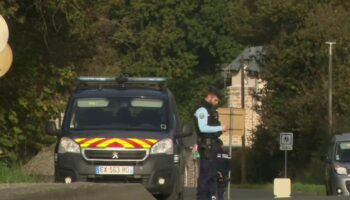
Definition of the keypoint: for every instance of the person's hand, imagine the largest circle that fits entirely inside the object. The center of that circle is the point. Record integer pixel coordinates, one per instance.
(220, 177)
(224, 128)
(195, 148)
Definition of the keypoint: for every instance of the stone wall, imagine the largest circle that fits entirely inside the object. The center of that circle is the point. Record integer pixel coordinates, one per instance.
(191, 172)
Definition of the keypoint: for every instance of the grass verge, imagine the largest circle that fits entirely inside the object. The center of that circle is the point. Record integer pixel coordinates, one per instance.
(307, 189)
(312, 189)
(15, 174)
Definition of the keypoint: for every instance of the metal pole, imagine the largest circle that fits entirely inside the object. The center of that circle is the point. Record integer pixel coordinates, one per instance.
(285, 164)
(243, 167)
(225, 77)
(330, 89)
(230, 153)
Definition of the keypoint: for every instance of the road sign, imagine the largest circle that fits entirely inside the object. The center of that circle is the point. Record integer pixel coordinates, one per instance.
(286, 141)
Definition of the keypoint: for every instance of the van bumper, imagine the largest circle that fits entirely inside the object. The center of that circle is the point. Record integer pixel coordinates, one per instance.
(340, 185)
(148, 172)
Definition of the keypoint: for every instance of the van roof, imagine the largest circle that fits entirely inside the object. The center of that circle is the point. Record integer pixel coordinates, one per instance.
(123, 81)
(129, 92)
(342, 137)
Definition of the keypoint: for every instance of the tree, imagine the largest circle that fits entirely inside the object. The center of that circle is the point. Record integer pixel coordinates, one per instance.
(53, 41)
(34, 89)
(185, 41)
(295, 70)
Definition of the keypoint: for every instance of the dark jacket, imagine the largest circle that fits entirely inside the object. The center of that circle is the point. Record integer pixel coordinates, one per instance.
(213, 119)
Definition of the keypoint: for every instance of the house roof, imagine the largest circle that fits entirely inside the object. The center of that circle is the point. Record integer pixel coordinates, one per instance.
(249, 54)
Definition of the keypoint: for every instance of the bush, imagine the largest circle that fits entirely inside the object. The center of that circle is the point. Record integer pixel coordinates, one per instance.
(14, 174)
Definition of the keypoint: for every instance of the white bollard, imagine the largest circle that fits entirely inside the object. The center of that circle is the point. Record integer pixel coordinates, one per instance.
(68, 180)
(282, 187)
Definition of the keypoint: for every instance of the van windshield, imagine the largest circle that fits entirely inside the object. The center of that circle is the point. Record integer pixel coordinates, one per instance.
(343, 152)
(124, 113)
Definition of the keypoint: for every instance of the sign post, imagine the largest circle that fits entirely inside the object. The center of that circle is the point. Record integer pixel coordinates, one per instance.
(234, 118)
(230, 154)
(286, 144)
(282, 186)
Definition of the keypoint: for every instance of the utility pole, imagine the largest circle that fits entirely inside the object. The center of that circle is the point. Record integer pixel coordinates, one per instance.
(226, 74)
(330, 89)
(243, 159)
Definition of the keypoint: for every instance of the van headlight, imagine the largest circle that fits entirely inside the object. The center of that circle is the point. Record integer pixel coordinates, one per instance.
(340, 170)
(67, 145)
(163, 146)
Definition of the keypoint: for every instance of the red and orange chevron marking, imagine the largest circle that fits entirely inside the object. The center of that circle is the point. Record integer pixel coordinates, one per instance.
(132, 143)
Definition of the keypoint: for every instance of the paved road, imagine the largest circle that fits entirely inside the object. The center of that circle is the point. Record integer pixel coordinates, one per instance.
(90, 191)
(74, 191)
(248, 194)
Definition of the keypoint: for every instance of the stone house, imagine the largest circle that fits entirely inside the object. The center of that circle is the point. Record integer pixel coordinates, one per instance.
(251, 83)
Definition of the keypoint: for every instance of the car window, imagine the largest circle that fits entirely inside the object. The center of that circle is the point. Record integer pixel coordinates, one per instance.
(126, 113)
(343, 151)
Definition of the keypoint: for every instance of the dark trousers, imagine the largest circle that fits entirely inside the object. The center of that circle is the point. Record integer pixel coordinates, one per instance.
(207, 180)
(221, 192)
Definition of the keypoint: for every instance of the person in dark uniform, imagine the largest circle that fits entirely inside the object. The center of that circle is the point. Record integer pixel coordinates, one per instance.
(223, 167)
(208, 129)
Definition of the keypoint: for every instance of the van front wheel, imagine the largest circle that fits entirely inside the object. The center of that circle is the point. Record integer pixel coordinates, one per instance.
(177, 193)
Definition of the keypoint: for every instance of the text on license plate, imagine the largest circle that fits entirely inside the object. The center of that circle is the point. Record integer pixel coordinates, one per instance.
(122, 170)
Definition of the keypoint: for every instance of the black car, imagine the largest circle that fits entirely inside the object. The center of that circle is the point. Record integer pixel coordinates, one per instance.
(122, 130)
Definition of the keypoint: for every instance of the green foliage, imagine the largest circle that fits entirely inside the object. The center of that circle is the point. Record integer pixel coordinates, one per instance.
(14, 174)
(311, 189)
(295, 99)
(53, 41)
(185, 41)
(188, 42)
(297, 188)
(34, 89)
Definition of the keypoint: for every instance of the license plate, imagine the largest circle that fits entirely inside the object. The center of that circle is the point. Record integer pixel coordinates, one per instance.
(118, 170)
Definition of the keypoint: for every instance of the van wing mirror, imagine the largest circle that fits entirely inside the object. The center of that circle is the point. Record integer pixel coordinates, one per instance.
(186, 130)
(325, 158)
(52, 129)
(328, 159)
